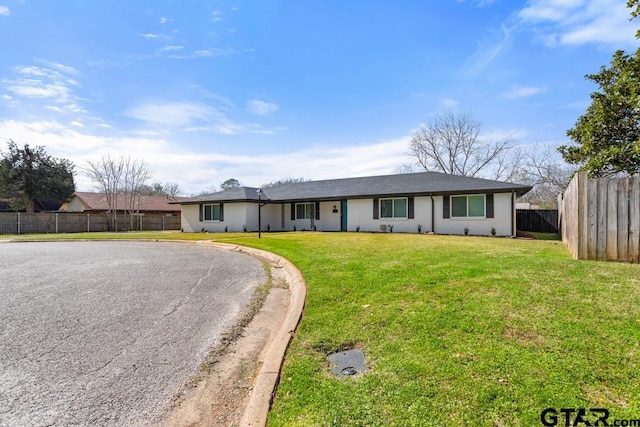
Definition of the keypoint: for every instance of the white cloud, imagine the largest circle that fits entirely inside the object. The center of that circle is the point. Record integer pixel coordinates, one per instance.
(521, 92)
(261, 108)
(449, 102)
(32, 88)
(201, 53)
(192, 117)
(195, 170)
(577, 22)
(378, 158)
(61, 67)
(487, 51)
(173, 114)
(178, 52)
(54, 108)
(4, 11)
(77, 124)
(478, 3)
(164, 20)
(43, 82)
(149, 36)
(171, 48)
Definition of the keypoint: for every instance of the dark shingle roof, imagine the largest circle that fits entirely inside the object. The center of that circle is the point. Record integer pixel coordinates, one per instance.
(412, 184)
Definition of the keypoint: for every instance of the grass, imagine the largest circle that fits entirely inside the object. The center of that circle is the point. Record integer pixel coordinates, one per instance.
(456, 330)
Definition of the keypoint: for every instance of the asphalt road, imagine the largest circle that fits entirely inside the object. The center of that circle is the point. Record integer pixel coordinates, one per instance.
(106, 333)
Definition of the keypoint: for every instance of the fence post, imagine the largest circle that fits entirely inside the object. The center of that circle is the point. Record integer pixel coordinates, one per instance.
(56, 222)
(18, 222)
(88, 229)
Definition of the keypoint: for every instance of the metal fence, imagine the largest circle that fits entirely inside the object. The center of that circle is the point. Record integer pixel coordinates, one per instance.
(542, 220)
(62, 222)
(600, 218)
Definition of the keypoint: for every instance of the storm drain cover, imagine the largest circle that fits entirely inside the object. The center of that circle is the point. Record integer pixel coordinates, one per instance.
(347, 363)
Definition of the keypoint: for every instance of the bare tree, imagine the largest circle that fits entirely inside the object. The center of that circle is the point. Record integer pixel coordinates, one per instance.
(107, 173)
(284, 181)
(452, 143)
(171, 189)
(135, 175)
(544, 169)
(119, 179)
(209, 190)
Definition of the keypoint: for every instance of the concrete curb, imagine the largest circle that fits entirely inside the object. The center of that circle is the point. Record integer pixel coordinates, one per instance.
(272, 356)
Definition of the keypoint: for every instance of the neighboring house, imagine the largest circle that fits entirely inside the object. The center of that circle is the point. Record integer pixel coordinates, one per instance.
(97, 203)
(429, 201)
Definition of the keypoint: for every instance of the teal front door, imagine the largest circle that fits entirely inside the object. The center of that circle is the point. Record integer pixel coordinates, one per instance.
(343, 215)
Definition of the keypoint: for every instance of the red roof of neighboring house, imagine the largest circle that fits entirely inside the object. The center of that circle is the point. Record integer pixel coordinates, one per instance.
(98, 202)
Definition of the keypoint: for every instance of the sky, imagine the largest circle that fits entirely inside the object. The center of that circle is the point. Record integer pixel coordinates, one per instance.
(260, 90)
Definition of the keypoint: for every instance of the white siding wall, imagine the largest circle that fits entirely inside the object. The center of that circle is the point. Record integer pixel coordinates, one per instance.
(481, 226)
(189, 218)
(75, 205)
(235, 217)
(329, 221)
(271, 217)
(359, 214)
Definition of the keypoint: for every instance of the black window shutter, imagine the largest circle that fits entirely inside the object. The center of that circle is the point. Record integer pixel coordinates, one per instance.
(317, 210)
(293, 211)
(489, 201)
(221, 211)
(410, 208)
(376, 211)
(200, 209)
(445, 207)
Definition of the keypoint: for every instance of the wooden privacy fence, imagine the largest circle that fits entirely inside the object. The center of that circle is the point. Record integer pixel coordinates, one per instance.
(600, 218)
(542, 220)
(62, 222)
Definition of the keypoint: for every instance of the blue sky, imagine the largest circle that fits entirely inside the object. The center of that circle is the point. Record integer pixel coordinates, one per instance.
(260, 90)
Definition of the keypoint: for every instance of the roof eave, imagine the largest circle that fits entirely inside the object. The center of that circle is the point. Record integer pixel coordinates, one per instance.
(520, 190)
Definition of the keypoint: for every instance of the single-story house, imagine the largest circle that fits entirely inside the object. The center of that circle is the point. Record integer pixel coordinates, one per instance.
(408, 203)
(97, 203)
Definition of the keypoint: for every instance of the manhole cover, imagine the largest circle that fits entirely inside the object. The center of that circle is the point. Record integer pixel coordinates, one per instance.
(347, 363)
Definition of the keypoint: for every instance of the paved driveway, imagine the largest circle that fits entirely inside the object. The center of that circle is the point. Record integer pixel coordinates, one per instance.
(106, 333)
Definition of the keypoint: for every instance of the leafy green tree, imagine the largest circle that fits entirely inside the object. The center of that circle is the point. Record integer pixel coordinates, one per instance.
(28, 174)
(230, 183)
(607, 136)
(634, 5)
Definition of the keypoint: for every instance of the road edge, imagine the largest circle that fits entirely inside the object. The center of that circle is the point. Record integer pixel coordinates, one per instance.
(272, 356)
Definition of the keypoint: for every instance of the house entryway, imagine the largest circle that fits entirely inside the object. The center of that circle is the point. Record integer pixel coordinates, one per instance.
(343, 215)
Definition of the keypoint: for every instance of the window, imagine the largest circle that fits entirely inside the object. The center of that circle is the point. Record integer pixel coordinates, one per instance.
(393, 208)
(212, 212)
(304, 210)
(471, 206)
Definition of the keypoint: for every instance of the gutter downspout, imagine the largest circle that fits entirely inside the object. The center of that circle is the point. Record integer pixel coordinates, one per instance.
(433, 217)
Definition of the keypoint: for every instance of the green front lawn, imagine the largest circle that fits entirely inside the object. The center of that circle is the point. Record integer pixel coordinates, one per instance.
(456, 330)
